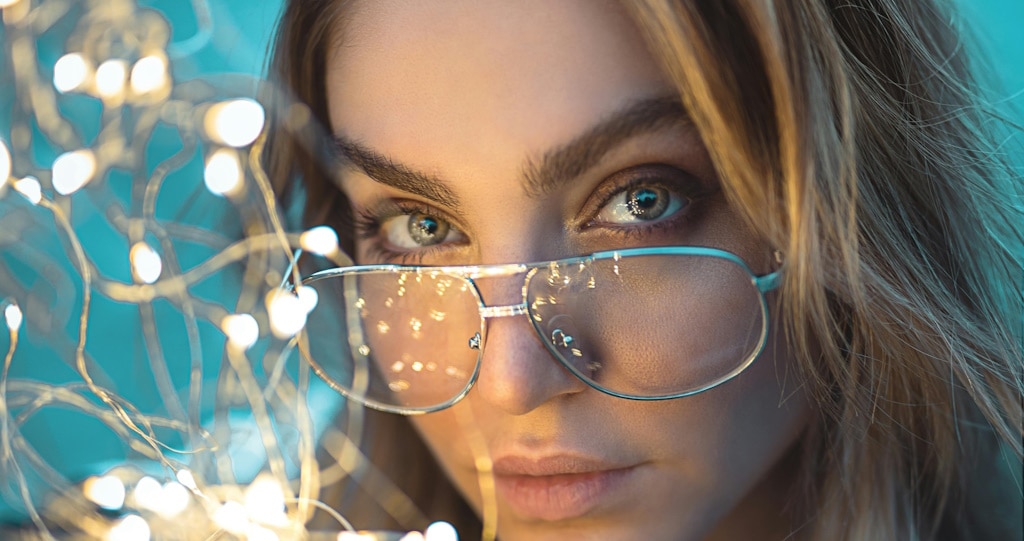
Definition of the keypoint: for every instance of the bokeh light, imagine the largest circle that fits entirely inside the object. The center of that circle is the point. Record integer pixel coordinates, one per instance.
(223, 172)
(149, 74)
(235, 123)
(73, 170)
(70, 72)
(110, 78)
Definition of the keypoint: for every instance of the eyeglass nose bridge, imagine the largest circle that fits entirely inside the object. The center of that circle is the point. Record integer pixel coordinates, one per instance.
(504, 310)
(488, 312)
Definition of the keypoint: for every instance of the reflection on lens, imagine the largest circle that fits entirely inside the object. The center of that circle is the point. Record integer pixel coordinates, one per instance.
(398, 340)
(650, 325)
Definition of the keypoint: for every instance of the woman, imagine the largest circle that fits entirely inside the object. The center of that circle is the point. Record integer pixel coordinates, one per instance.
(834, 150)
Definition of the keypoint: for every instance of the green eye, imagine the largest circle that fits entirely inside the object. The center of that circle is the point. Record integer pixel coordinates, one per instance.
(641, 204)
(426, 230)
(647, 203)
(412, 230)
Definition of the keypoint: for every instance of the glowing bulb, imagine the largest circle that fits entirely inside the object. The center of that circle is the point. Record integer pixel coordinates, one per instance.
(287, 314)
(168, 500)
(5, 164)
(241, 329)
(110, 78)
(255, 532)
(149, 74)
(441, 531)
(130, 528)
(186, 478)
(72, 170)
(13, 316)
(320, 240)
(107, 491)
(235, 123)
(148, 494)
(175, 499)
(8, 3)
(308, 297)
(232, 517)
(223, 173)
(70, 72)
(146, 263)
(413, 536)
(30, 188)
(264, 501)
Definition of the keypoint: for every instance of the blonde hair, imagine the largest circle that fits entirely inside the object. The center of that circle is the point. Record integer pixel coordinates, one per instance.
(851, 134)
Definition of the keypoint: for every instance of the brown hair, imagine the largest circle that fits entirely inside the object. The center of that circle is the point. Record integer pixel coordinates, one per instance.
(852, 135)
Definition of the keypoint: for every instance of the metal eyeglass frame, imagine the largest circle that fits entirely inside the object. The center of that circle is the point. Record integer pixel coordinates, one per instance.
(470, 273)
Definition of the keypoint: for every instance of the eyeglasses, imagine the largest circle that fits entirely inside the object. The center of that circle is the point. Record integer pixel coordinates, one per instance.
(643, 324)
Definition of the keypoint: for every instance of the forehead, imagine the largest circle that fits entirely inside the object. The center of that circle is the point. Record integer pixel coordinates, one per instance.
(450, 86)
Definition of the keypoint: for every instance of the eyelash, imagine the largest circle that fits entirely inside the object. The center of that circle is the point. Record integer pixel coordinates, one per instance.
(687, 187)
(368, 222)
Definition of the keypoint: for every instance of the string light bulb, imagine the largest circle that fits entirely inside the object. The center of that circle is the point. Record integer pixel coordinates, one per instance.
(72, 170)
(255, 532)
(70, 72)
(235, 123)
(186, 478)
(287, 313)
(175, 499)
(241, 330)
(441, 531)
(130, 528)
(107, 492)
(308, 298)
(110, 79)
(264, 501)
(232, 517)
(13, 316)
(29, 188)
(149, 74)
(319, 240)
(146, 263)
(223, 172)
(148, 494)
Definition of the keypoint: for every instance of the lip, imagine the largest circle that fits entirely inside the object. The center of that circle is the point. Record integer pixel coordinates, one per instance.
(558, 487)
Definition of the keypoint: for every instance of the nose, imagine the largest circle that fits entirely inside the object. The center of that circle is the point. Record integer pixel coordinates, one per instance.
(517, 373)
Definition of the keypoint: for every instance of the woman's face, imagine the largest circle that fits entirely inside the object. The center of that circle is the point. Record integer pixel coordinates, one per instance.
(495, 132)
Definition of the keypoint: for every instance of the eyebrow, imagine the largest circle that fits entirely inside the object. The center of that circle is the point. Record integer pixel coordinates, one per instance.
(567, 162)
(386, 171)
(540, 177)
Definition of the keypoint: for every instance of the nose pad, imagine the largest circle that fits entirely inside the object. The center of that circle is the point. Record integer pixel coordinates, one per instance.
(517, 373)
(565, 337)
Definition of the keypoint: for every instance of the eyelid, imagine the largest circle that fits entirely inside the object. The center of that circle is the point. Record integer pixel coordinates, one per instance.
(665, 176)
(371, 218)
(387, 208)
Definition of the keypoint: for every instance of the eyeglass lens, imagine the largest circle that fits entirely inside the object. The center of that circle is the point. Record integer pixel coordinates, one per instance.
(640, 326)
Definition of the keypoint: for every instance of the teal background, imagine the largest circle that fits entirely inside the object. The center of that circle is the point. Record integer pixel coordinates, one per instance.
(78, 446)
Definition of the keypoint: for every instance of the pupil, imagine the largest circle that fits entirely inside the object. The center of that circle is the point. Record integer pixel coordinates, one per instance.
(426, 230)
(427, 226)
(647, 203)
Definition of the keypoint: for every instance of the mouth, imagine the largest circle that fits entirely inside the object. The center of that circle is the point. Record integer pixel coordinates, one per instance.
(558, 487)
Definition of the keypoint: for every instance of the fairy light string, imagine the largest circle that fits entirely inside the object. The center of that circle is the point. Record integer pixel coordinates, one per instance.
(118, 55)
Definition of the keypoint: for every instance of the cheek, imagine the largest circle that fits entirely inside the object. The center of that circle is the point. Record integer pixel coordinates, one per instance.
(727, 439)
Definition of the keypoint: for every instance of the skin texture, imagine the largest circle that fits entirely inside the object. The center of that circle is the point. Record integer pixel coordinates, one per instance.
(469, 93)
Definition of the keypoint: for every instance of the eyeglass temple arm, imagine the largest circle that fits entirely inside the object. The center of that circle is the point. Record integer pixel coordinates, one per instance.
(768, 282)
